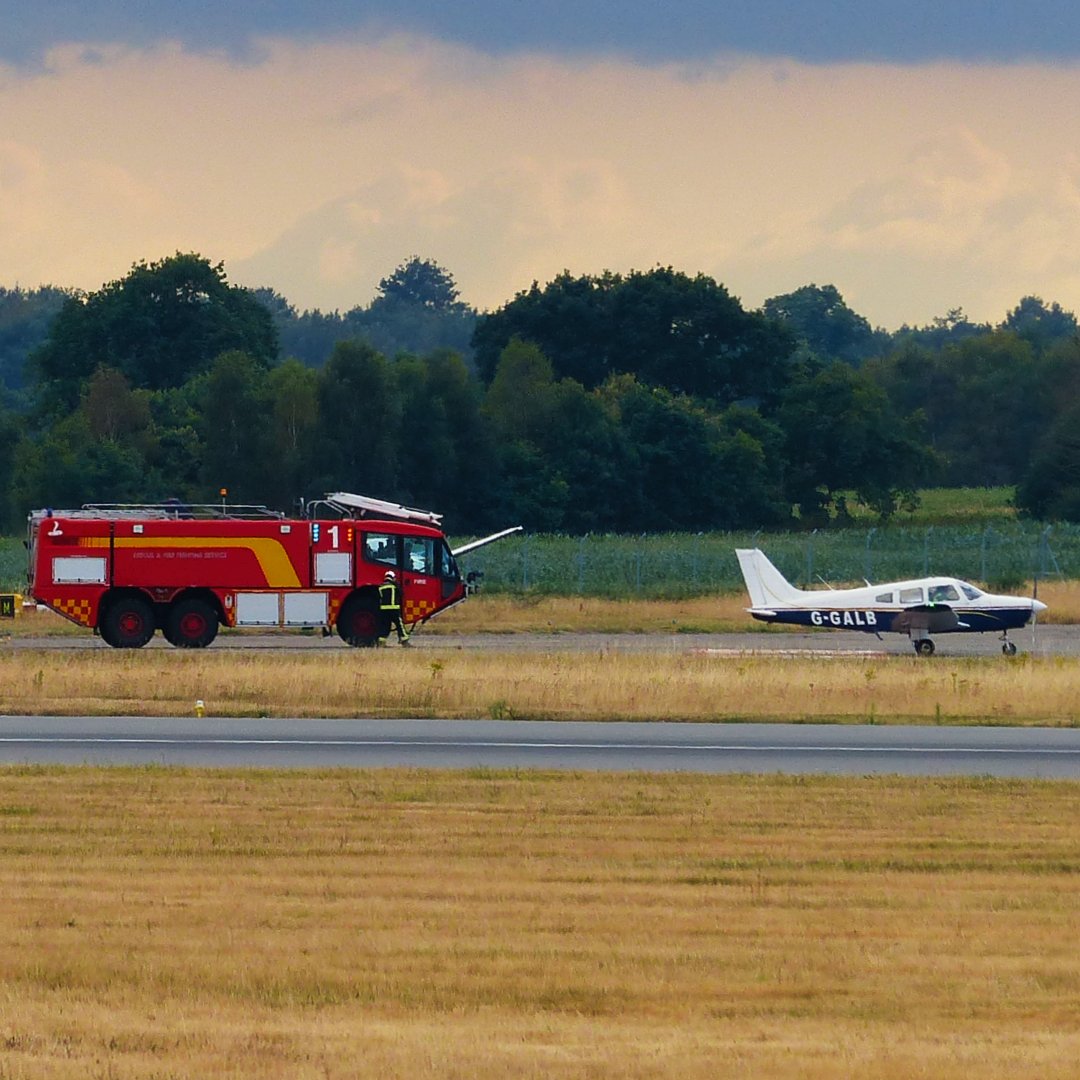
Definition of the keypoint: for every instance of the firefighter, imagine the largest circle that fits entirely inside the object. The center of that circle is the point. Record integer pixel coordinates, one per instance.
(390, 602)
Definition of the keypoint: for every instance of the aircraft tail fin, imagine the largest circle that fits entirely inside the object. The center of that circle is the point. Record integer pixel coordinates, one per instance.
(768, 588)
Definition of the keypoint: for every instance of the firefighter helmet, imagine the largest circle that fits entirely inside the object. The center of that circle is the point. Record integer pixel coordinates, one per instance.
(389, 576)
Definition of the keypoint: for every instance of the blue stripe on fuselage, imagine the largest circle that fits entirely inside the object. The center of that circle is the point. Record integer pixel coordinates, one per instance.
(881, 622)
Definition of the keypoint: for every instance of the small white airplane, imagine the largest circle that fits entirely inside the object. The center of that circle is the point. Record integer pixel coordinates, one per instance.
(918, 608)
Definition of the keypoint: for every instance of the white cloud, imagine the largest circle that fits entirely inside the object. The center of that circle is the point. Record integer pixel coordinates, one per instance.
(316, 169)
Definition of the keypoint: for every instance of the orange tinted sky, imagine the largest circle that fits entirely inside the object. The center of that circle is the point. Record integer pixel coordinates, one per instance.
(315, 167)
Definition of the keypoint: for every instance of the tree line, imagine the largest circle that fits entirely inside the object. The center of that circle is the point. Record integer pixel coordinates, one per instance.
(637, 402)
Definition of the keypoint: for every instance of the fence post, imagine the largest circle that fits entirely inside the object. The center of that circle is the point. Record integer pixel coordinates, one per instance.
(581, 567)
(810, 559)
(869, 570)
(926, 552)
(525, 564)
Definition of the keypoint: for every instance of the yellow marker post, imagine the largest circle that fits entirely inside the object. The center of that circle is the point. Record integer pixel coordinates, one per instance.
(200, 708)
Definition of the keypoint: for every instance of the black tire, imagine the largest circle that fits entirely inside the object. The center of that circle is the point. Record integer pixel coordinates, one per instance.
(361, 623)
(924, 647)
(128, 623)
(1009, 648)
(191, 624)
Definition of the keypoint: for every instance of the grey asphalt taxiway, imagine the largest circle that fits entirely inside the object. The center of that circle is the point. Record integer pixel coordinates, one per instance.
(1051, 640)
(653, 747)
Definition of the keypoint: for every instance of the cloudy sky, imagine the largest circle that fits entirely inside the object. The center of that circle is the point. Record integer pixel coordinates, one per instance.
(920, 156)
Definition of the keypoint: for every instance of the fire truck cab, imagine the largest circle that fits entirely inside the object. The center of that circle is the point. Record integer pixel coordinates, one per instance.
(127, 571)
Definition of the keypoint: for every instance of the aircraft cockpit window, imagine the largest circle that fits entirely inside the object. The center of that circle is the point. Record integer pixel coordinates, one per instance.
(883, 598)
(911, 596)
(941, 594)
(971, 592)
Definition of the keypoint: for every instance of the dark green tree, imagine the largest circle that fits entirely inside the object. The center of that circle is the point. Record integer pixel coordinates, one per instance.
(518, 407)
(842, 435)
(668, 329)
(359, 423)
(160, 325)
(985, 399)
(694, 469)
(420, 283)
(11, 434)
(239, 452)
(416, 311)
(473, 489)
(565, 463)
(1050, 487)
(822, 321)
(25, 315)
(948, 329)
(69, 466)
(1040, 324)
(292, 411)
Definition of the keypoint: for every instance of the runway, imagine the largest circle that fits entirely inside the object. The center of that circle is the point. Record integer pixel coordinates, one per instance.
(454, 744)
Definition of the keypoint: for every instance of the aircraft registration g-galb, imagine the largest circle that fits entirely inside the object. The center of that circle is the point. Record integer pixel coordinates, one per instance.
(918, 608)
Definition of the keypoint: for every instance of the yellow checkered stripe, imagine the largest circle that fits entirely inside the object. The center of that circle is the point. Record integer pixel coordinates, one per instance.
(415, 610)
(79, 610)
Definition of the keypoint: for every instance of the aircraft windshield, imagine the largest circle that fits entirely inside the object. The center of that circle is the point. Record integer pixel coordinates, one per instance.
(970, 591)
(940, 594)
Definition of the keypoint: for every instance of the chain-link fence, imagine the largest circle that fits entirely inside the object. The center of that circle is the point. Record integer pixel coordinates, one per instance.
(677, 565)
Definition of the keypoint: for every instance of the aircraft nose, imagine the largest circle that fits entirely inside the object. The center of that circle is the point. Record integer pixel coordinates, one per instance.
(1037, 606)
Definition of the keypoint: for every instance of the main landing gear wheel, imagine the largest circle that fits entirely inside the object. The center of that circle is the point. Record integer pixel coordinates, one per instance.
(361, 623)
(924, 647)
(1008, 648)
(128, 623)
(191, 624)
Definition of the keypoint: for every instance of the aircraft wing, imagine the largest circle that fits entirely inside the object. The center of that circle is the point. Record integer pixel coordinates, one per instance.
(933, 619)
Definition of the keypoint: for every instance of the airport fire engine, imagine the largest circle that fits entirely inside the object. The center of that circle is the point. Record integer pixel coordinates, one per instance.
(128, 571)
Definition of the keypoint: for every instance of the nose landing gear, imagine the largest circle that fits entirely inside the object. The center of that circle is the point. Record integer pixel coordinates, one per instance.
(924, 646)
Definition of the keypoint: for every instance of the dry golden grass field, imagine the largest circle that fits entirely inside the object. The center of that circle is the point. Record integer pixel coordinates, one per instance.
(541, 685)
(170, 923)
(175, 924)
(545, 684)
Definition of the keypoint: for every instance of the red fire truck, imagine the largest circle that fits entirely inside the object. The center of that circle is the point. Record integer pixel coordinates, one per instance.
(127, 571)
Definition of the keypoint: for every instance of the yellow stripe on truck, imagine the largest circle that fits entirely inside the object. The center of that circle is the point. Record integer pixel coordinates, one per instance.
(273, 560)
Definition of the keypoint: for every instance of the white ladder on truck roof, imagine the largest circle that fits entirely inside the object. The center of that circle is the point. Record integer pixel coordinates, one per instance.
(349, 504)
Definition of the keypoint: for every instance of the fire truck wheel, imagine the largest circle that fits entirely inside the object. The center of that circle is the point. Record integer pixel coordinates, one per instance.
(191, 624)
(128, 623)
(361, 623)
